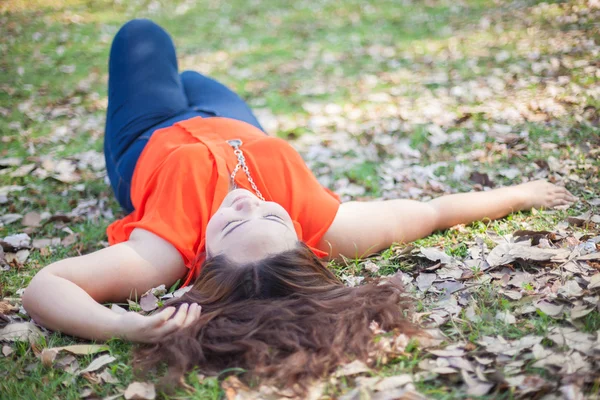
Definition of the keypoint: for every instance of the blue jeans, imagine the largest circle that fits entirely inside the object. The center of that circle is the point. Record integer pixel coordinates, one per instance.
(146, 92)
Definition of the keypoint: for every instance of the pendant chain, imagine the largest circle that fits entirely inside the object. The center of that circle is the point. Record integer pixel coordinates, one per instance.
(236, 143)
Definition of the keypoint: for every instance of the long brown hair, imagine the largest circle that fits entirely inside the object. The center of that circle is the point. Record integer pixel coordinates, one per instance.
(285, 318)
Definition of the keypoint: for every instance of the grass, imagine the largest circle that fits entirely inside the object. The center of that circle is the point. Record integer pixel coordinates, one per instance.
(279, 57)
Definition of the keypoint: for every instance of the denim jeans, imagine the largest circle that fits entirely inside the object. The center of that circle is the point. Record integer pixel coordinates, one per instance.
(146, 92)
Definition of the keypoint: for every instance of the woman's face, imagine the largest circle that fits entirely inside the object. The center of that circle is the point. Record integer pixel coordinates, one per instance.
(247, 229)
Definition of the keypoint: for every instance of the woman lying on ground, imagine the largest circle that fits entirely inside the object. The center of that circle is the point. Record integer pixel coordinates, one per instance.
(253, 253)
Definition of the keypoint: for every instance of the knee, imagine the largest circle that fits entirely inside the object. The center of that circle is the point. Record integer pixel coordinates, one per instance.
(189, 76)
(139, 28)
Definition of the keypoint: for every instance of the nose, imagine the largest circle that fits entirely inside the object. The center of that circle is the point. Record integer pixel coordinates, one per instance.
(246, 204)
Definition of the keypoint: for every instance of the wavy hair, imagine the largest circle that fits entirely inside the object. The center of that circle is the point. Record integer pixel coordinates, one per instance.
(286, 319)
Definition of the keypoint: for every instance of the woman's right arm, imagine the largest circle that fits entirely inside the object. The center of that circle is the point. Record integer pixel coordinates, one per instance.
(66, 295)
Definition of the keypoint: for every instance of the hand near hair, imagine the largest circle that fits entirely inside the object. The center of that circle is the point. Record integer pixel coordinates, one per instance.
(153, 328)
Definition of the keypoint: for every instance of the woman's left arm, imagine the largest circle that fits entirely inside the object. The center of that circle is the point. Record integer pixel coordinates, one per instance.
(363, 228)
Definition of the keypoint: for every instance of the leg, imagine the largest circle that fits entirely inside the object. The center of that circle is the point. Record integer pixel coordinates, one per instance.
(205, 94)
(144, 89)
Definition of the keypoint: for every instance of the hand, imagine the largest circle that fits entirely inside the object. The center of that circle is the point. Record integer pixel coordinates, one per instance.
(151, 329)
(543, 194)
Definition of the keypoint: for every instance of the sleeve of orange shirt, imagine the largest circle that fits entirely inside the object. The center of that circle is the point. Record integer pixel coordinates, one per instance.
(175, 204)
(313, 206)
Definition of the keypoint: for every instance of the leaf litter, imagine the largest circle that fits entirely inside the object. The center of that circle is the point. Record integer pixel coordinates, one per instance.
(552, 273)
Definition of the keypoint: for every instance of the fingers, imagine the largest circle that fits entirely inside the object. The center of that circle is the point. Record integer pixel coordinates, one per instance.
(185, 316)
(162, 316)
(192, 315)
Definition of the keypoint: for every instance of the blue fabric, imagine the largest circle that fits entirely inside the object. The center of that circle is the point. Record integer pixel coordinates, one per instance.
(146, 93)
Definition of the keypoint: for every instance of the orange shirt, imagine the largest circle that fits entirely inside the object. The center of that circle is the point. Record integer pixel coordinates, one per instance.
(182, 177)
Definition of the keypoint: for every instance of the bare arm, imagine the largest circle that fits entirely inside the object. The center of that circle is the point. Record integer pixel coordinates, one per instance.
(65, 295)
(364, 228)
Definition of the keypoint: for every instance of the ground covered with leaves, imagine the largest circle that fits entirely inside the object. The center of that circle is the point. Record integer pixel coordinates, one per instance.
(388, 99)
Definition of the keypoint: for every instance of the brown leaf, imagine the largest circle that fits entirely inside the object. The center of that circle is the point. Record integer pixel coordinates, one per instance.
(22, 171)
(549, 309)
(69, 240)
(148, 302)
(48, 356)
(10, 161)
(22, 331)
(475, 386)
(594, 282)
(481, 179)
(82, 349)
(509, 252)
(570, 289)
(580, 220)
(107, 377)
(140, 391)
(580, 311)
(19, 258)
(371, 267)
(424, 281)
(232, 386)
(98, 363)
(7, 350)
(66, 361)
(506, 317)
(32, 219)
(43, 243)
(7, 219)
(353, 368)
(393, 382)
(591, 256)
(7, 308)
(434, 254)
(448, 352)
(16, 242)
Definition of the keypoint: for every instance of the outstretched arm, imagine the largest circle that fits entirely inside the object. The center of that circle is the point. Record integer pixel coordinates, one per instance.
(363, 228)
(66, 295)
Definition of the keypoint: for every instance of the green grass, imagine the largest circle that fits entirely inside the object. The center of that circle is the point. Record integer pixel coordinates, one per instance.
(280, 56)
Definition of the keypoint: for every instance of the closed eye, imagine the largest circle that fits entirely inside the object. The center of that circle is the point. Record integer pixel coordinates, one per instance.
(229, 223)
(273, 215)
(269, 217)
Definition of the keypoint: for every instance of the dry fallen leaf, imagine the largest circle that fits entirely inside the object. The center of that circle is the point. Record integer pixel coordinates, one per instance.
(7, 350)
(594, 282)
(435, 255)
(475, 386)
(425, 280)
(82, 349)
(393, 382)
(7, 219)
(17, 241)
(107, 377)
(48, 356)
(506, 317)
(7, 308)
(148, 302)
(19, 258)
(22, 331)
(140, 391)
(353, 368)
(98, 363)
(506, 253)
(549, 309)
(235, 389)
(32, 219)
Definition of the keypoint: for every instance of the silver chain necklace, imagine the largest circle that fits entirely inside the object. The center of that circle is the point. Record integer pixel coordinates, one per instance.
(236, 144)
